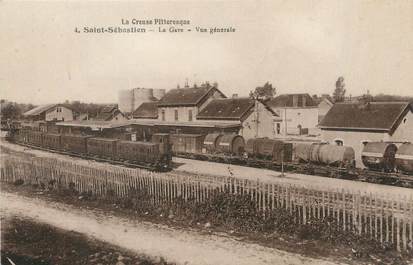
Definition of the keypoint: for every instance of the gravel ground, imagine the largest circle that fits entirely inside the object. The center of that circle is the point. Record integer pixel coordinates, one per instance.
(271, 176)
(154, 240)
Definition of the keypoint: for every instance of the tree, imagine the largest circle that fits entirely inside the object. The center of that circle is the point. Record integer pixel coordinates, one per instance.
(263, 92)
(10, 111)
(339, 92)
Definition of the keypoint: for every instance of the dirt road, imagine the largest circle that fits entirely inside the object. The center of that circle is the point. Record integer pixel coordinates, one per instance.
(175, 245)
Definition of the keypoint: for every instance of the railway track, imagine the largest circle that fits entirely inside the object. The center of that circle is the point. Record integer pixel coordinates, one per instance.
(363, 175)
(356, 174)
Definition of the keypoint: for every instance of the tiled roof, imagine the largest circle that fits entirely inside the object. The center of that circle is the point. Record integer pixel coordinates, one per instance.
(381, 116)
(39, 110)
(292, 101)
(227, 109)
(107, 113)
(185, 96)
(147, 110)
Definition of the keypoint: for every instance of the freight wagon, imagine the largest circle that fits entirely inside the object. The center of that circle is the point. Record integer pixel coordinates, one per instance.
(152, 155)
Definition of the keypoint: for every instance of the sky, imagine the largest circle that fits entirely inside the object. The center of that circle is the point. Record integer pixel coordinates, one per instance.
(298, 46)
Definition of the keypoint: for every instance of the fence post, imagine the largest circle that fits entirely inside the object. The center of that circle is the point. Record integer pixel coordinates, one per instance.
(398, 225)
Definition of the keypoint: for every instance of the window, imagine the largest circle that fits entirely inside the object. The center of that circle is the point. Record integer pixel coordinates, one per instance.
(278, 128)
(339, 142)
(176, 114)
(404, 121)
(163, 114)
(190, 115)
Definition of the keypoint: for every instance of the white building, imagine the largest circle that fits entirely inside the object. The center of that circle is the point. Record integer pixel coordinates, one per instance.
(298, 114)
(353, 124)
(51, 112)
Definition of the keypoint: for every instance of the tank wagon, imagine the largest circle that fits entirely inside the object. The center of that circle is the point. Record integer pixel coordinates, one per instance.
(269, 149)
(379, 156)
(230, 144)
(404, 158)
(211, 141)
(325, 154)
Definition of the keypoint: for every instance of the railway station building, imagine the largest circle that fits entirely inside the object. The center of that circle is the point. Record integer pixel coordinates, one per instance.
(354, 124)
(255, 117)
(184, 104)
(143, 129)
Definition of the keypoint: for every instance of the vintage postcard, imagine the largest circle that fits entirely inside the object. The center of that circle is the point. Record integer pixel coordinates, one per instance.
(206, 132)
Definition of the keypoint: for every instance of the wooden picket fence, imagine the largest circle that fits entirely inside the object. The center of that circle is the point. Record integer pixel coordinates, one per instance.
(384, 219)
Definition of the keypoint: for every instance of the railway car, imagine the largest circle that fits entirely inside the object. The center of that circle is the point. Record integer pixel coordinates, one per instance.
(35, 138)
(164, 141)
(269, 149)
(52, 141)
(187, 143)
(211, 141)
(325, 154)
(19, 136)
(404, 158)
(379, 156)
(230, 144)
(102, 147)
(144, 153)
(74, 143)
